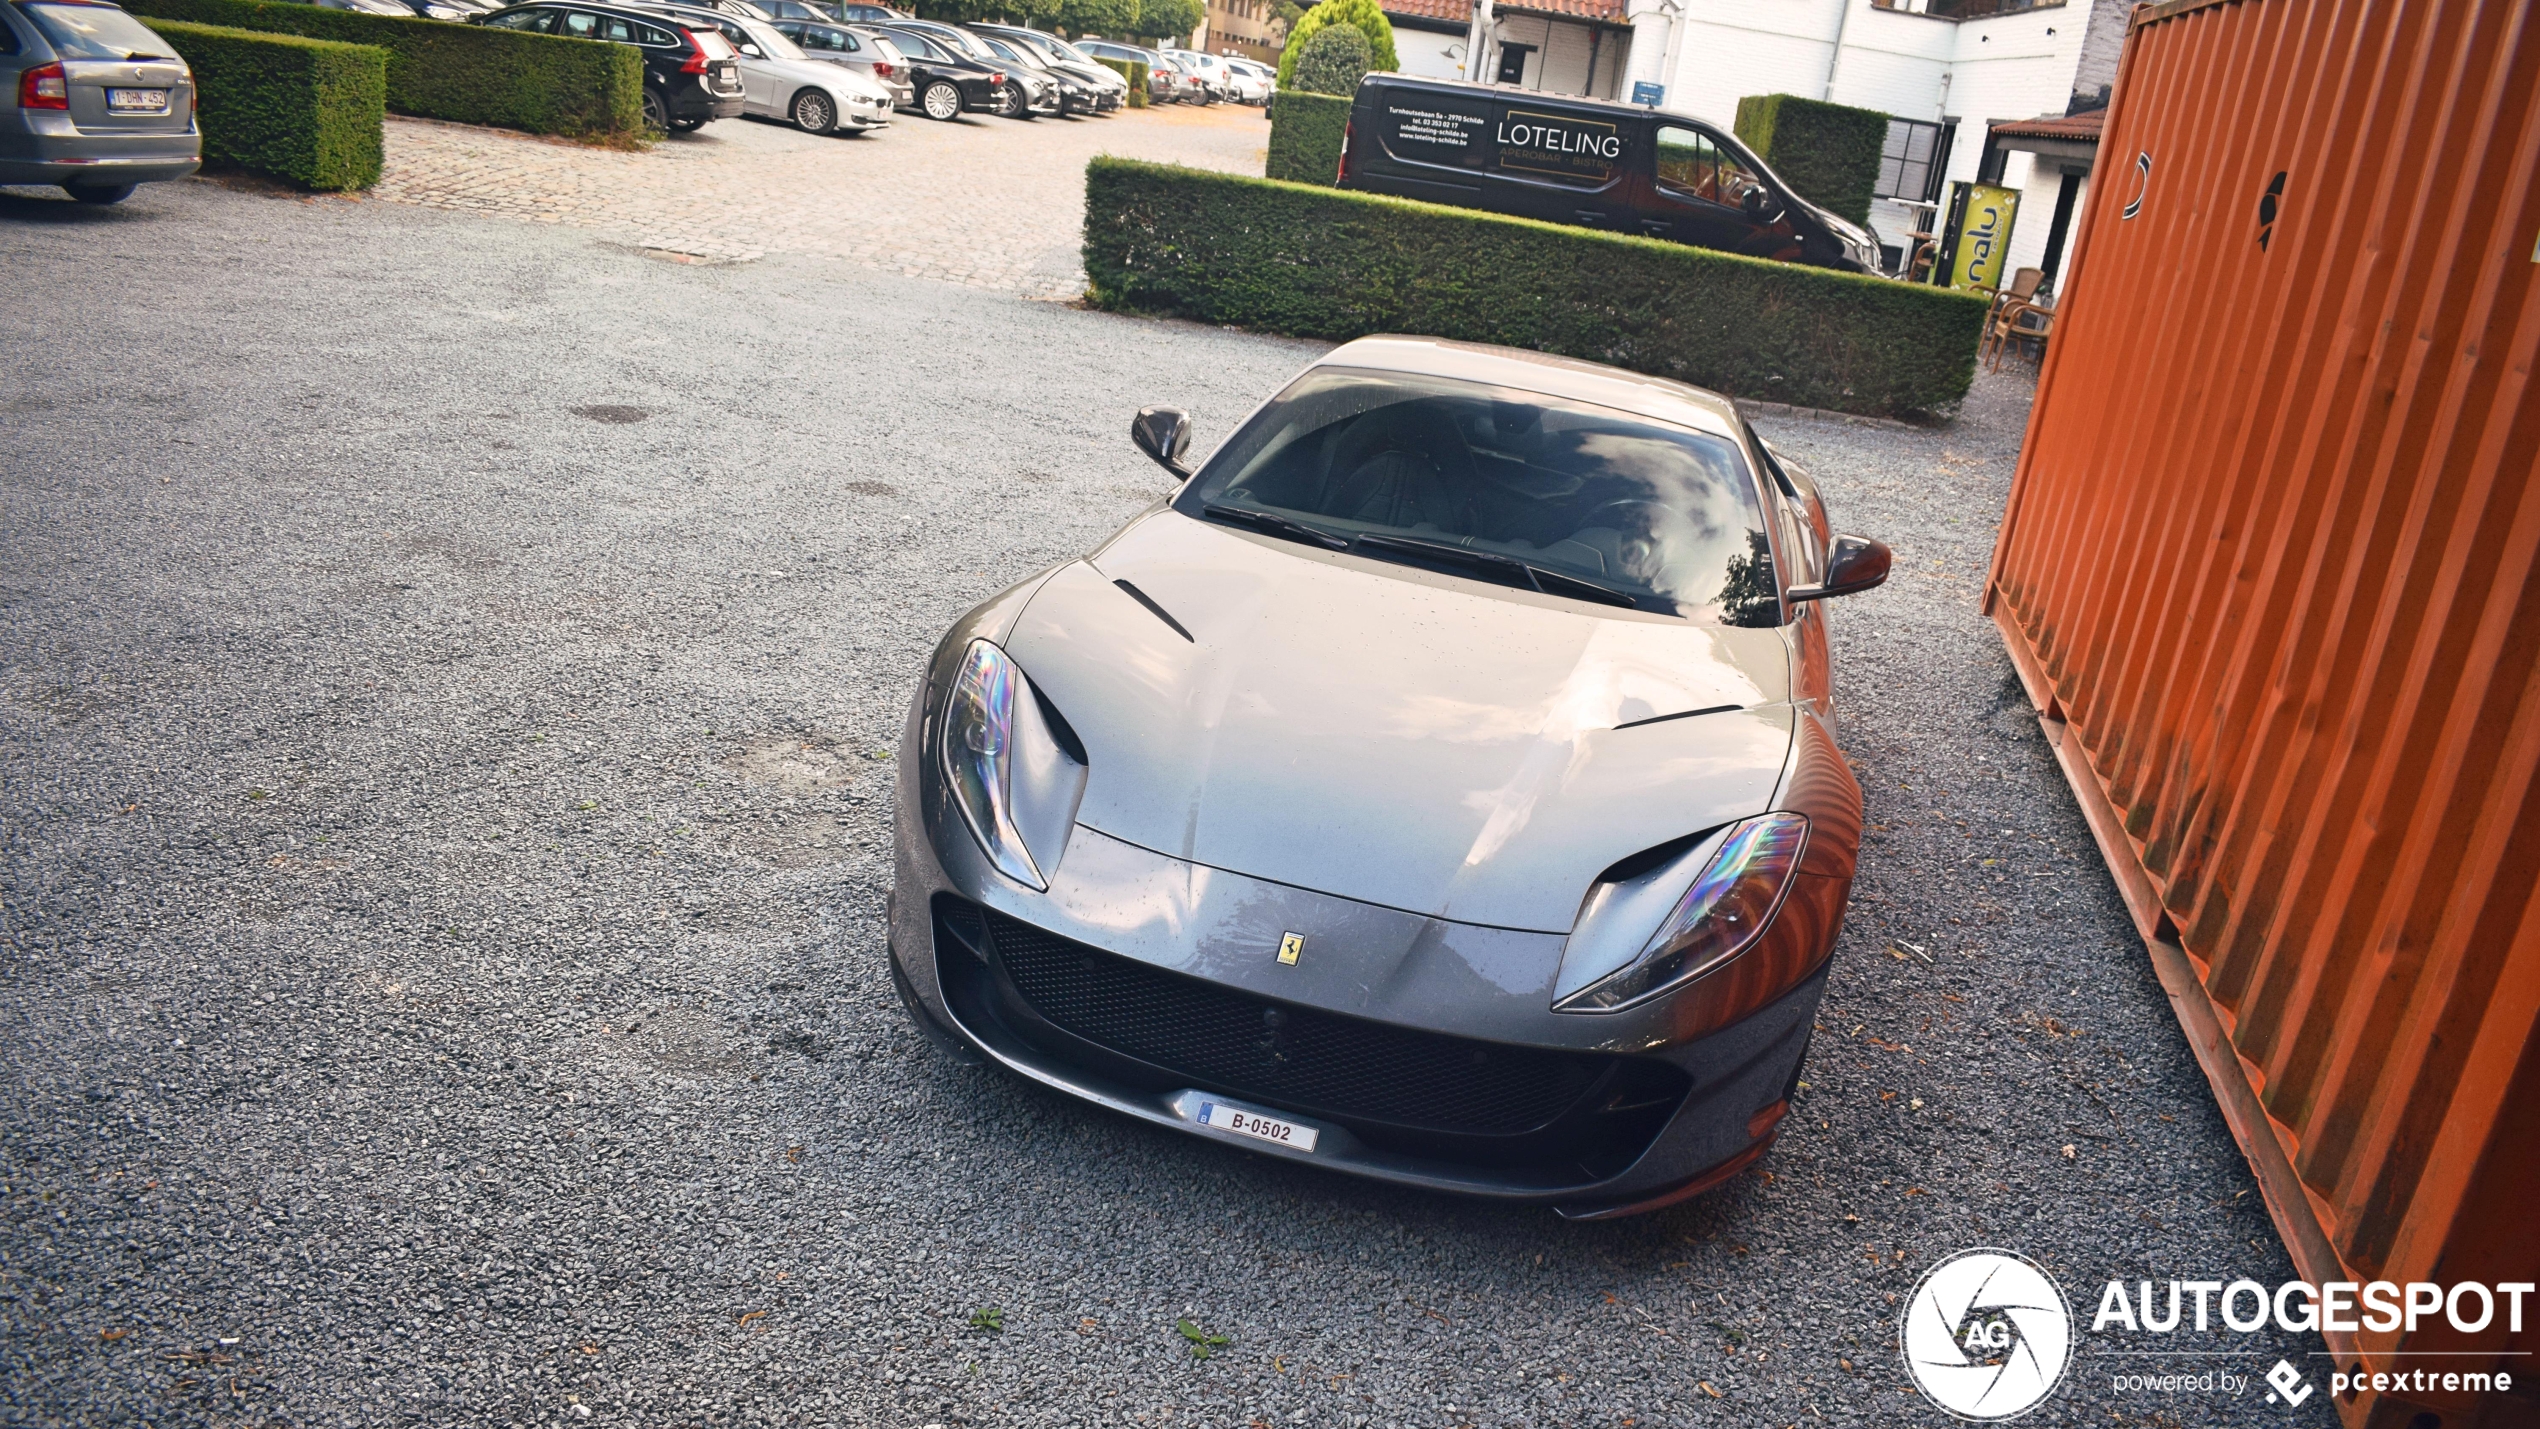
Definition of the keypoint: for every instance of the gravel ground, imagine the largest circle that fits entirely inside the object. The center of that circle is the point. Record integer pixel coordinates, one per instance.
(446, 671)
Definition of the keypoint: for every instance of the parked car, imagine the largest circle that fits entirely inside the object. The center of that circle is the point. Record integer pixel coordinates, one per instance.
(103, 102)
(948, 84)
(1183, 84)
(394, 9)
(691, 74)
(796, 10)
(1110, 89)
(780, 81)
(1588, 163)
(1030, 90)
(870, 14)
(1076, 93)
(1265, 80)
(1222, 81)
(455, 11)
(1120, 53)
(1188, 828)
(870, 55)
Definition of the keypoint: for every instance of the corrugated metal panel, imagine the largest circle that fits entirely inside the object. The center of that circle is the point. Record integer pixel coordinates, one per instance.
(2268, 571)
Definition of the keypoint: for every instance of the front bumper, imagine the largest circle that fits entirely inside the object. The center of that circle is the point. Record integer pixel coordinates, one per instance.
(1718, 1098)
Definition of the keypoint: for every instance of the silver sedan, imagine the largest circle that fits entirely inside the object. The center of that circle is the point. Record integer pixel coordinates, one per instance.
(102, 102)
(1440, 787)
(780, 81)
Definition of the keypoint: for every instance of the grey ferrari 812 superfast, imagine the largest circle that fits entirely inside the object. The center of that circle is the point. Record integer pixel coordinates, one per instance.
(1440, 787)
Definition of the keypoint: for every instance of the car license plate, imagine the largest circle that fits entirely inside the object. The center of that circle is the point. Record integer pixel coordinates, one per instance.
(136, 100)
(1257, 1126)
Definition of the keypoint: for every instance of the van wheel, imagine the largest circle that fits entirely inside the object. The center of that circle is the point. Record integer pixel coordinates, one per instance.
(99, 193)
(813, 113)
(942, 100)
(656, 113)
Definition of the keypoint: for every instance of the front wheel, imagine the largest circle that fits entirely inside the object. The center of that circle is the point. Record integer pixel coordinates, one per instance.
(99, 193)
(942, 100)
(1010, 103)
(814, 113)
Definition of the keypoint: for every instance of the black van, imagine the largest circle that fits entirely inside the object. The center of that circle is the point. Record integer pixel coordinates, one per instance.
(1586, 162)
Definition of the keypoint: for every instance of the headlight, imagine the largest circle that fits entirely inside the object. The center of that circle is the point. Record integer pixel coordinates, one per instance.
(1728, 906)
(979, 749)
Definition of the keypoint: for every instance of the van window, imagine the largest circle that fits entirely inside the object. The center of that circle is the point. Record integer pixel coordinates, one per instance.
(1692, 165)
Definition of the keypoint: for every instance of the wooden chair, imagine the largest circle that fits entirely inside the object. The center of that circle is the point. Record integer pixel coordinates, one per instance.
(2021, 293)
(2024, 322)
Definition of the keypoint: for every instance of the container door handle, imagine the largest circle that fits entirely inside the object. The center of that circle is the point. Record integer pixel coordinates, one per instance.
(1591, 217)
(1655, 227)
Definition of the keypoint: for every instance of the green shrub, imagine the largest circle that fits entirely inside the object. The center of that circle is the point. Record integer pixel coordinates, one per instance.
(1334, 61)
(1363, 14)
(1328, 263)
(298, 109)
(466, 73)
(1134, 71)
(1305, 136)
(1829, 153)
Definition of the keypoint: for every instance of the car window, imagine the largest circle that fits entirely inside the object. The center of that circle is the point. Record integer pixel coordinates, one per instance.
(920, 46)
(772, 44)
(886, 51)
(579, 25)
(537, 22)
(1690, 163)
(95, 32)
(1649, 514)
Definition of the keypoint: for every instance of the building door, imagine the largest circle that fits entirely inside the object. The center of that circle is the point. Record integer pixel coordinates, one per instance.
(1512, 63)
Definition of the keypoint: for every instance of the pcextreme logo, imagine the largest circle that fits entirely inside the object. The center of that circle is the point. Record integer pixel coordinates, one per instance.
(1987, 1334)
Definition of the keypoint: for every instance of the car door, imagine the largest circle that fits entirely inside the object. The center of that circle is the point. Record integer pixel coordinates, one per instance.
(1703, 193)
(759, 81)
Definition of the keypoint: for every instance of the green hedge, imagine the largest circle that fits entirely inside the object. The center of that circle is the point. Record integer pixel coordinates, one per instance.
(299, 109)
(1305, 137)
(1828, 152)
(1134, 71)
(1331, 263)
(466, 73)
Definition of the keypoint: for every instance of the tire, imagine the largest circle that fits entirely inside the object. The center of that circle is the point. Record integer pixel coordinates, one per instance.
(815, 112)
(686, 126)
(942, 100)
(656, 111)
(99, 193)
(1011, 103)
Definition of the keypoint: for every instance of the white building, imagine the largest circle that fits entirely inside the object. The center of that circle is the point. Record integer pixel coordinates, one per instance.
(1944, 71)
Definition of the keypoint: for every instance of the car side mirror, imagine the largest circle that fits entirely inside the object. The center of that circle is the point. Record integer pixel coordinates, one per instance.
(1856, 564)
(750, 50)
(1163, 433)
(1763, 205)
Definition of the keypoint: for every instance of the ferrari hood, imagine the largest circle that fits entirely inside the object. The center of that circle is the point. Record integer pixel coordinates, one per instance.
(1390, 735)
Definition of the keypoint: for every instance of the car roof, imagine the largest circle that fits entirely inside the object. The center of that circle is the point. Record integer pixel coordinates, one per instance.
(1538, 97)
(1680, 403)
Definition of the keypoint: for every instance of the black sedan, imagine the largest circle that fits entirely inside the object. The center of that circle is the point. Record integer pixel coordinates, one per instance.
(691, 76)
(947, 84)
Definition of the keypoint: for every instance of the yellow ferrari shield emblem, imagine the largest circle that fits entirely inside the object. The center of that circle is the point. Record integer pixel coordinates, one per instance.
(1290, 946)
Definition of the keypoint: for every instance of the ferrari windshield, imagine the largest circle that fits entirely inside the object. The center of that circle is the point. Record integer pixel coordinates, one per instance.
(1502, 485)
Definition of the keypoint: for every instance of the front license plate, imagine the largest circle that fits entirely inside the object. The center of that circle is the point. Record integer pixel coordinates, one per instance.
(136, 100)
(1257, 1126)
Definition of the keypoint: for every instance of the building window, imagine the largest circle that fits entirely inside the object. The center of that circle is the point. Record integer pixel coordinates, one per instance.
(1910, 164)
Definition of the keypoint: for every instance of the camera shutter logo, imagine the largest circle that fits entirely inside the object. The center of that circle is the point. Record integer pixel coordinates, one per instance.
(1987, 1334)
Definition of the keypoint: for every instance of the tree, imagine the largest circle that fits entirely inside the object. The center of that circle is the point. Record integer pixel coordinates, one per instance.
(1169, 19)
(1333, 62)
(1370, 21)
(1099, 17)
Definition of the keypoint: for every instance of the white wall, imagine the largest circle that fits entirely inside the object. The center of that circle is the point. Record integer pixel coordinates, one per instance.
(1428, 54)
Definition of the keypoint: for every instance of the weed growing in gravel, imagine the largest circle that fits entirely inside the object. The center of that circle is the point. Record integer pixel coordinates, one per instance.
(1203, 1344)
(988, 1318)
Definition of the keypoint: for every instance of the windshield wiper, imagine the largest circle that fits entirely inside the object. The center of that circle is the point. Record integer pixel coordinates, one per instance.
(1272, 525)
(1507, 569)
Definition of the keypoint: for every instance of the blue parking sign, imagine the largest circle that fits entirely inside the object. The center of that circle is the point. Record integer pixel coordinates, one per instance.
(1648, 92)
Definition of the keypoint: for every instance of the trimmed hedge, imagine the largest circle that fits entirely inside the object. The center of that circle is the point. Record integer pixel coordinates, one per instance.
(299, 109)
(1334, 61)
(469, 74)
(1305, 137)
(1331, 263)
(1828, 152)
(1134, 71)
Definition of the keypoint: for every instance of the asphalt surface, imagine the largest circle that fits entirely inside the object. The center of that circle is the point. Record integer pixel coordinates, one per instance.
(446, 671)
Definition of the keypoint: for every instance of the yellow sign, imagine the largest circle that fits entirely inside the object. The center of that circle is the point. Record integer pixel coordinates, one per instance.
(1984, 236)
(1290, 945)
